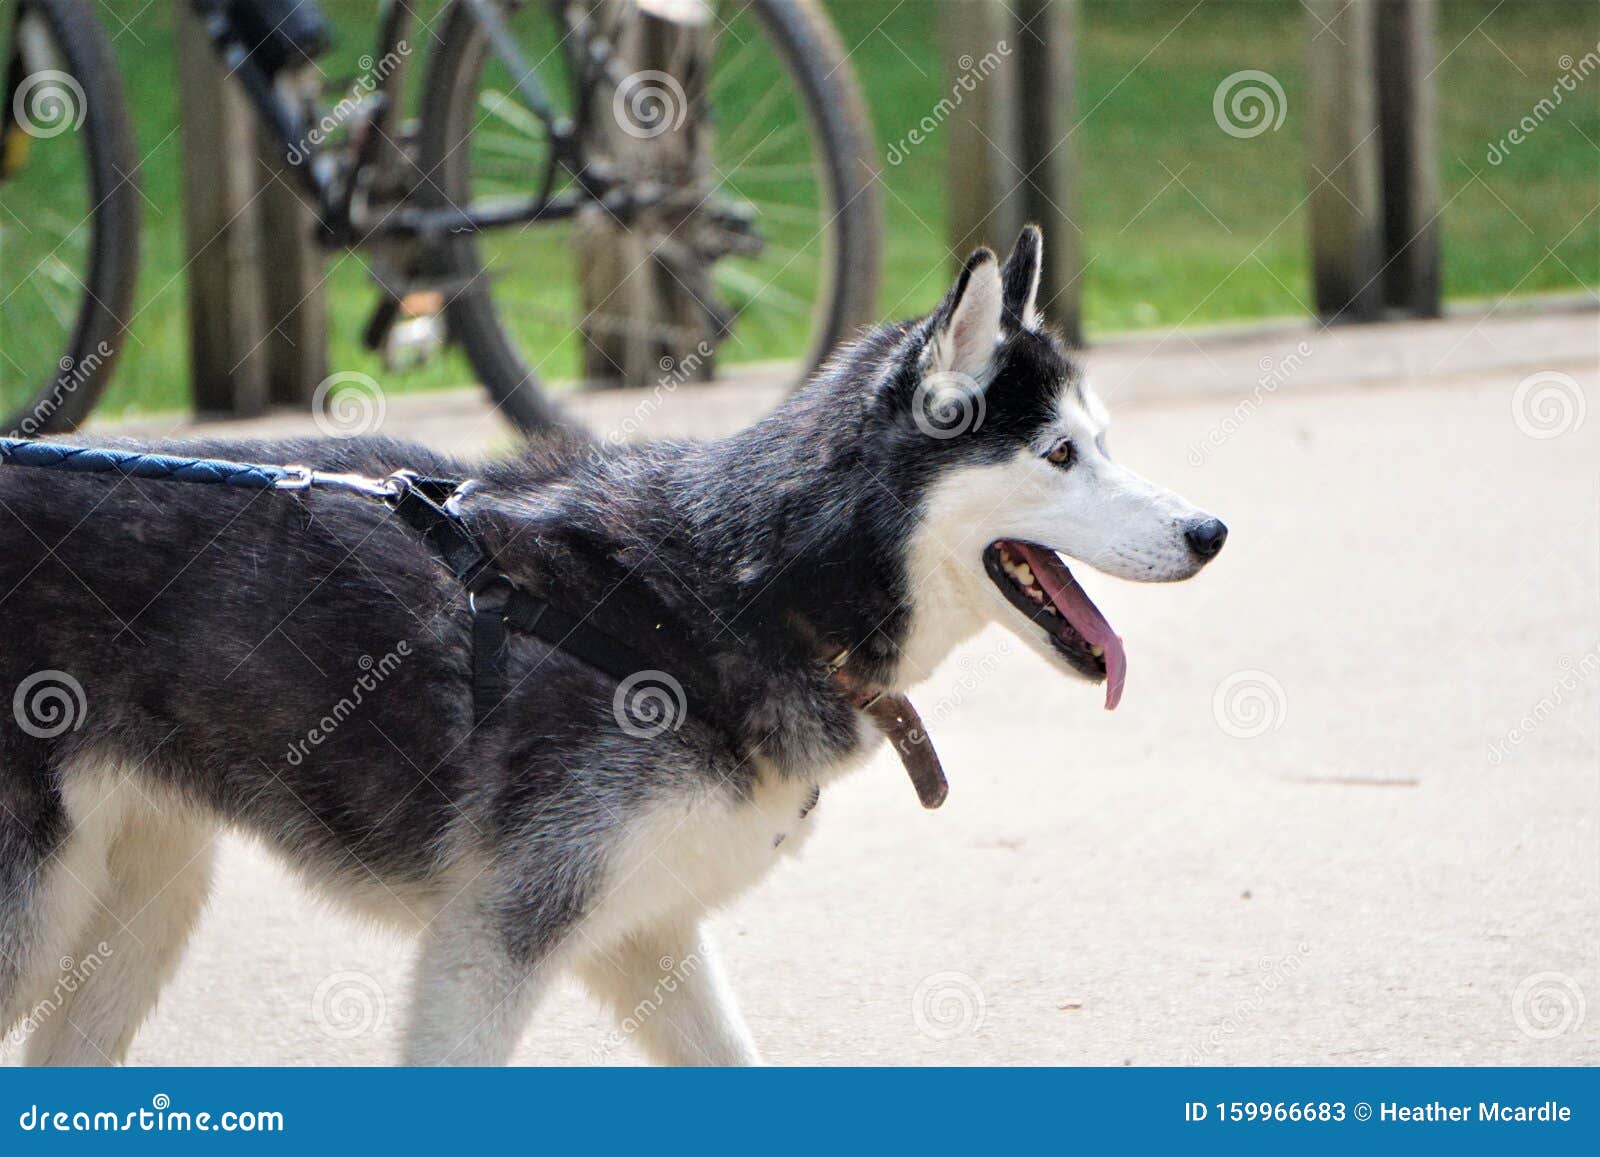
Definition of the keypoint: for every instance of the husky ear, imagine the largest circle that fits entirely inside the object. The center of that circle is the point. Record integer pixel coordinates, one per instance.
(1021, 276)
(969, 320)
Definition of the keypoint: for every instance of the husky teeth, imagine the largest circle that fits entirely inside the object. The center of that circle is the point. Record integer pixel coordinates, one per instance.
(1022, 574)
(1097, 651)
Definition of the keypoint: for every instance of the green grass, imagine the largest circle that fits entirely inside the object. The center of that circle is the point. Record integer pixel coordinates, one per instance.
(1181, 223)
(1226, 240)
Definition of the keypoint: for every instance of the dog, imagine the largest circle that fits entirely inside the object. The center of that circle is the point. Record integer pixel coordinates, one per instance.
(186, 659)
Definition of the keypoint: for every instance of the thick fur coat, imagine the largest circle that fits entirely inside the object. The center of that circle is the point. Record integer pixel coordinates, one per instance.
(189, 658)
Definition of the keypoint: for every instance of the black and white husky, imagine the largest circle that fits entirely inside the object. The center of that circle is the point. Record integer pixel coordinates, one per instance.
(182, 659)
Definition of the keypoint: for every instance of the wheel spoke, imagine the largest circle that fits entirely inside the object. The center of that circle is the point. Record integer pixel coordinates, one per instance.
(513, 112)
(754, 121)
(562, 299)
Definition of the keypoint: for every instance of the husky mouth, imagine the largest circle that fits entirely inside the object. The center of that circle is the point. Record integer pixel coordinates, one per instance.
(1037, 583)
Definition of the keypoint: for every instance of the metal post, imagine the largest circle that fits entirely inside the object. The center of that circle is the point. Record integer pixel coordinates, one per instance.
(227, 316)
(640, 315)
(1408, 113)
(985, 167)
(292, 287)
(1345, 150)
(1046, 44)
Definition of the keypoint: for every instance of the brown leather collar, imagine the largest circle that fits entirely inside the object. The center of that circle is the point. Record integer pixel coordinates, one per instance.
(893, 715)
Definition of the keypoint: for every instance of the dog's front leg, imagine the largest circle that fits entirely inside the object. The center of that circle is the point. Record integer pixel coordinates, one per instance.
(472, 994)
(667, 991)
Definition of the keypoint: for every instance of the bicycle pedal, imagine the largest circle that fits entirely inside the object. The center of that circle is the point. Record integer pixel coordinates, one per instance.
(14, 151)
(418, 338)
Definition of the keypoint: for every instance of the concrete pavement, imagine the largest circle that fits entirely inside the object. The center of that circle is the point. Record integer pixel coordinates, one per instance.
(1348, 812)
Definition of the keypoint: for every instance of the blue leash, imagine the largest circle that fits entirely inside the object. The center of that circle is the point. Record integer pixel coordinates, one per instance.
(87, 460)
(169, 468)
(428, 505)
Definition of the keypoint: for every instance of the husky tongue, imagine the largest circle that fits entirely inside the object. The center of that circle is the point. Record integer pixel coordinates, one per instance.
(1067, 597)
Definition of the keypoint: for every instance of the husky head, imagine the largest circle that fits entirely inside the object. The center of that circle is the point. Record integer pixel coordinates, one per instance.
(1020, 475)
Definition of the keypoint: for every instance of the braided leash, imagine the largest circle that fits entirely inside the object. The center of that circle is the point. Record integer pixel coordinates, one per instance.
(170, 468)
(429, 505)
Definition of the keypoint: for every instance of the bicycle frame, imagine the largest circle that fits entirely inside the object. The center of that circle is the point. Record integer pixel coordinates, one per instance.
(333, 191)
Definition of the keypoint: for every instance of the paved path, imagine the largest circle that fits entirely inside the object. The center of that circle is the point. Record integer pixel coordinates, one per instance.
(1306, 836)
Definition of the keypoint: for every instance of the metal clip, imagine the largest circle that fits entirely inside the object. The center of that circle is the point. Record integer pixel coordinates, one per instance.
(304, 478)
(500, 586)
(453, 503)
(295, 478)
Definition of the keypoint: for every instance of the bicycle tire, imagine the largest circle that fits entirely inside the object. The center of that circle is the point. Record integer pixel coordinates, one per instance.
(841, 128)
(112, 159)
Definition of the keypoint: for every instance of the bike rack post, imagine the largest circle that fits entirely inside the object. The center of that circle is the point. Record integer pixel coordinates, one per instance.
(1046, 53)
(1372, 124)
(984, 167)
(257, 315)
(227, 314)
(640, 319)
(1346, 197)
(1409, 118)
(1010, 135)
(292, 285)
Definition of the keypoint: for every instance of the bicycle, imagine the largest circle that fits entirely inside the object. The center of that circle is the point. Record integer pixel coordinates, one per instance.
(597, 133)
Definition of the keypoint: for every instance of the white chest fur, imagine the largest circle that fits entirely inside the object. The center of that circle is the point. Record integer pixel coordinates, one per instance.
(692, 852)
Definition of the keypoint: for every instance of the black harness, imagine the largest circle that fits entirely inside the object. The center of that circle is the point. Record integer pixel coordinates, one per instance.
(431, 506)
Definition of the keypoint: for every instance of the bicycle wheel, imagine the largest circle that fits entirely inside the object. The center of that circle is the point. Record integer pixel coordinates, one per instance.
(770, 246)
(69, 216)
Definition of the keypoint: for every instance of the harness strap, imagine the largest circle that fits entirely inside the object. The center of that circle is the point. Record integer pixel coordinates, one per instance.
(431, 507)
(428, 505)
(567, 632)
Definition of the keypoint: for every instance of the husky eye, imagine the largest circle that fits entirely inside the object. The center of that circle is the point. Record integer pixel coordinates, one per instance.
(1061, 454)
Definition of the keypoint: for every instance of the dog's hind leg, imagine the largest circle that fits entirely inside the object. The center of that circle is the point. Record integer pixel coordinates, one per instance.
(51, 876)
(667, 989)
(472, 994)
(155, 876)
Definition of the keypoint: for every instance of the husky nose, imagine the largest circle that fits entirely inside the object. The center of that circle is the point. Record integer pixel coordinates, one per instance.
(1206, 537)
